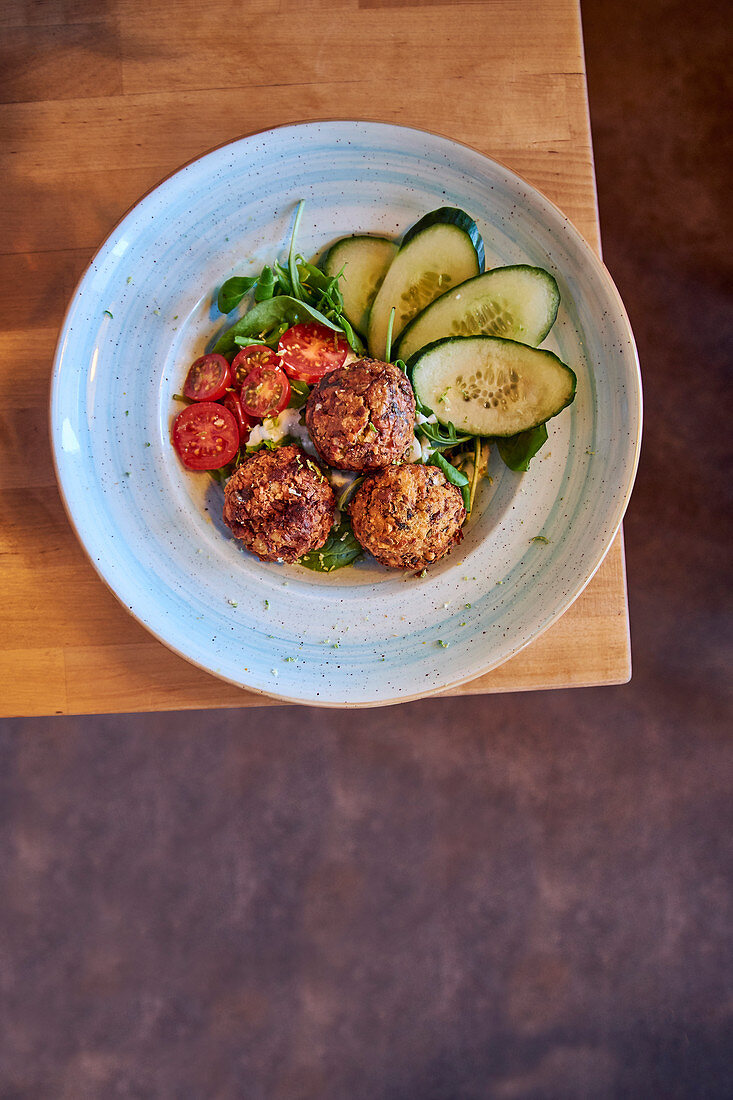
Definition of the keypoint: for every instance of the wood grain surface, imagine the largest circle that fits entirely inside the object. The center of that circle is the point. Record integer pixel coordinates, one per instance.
(101, 99)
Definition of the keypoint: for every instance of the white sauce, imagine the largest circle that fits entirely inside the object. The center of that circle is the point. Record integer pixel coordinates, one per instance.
(421, 450)
(274, 428)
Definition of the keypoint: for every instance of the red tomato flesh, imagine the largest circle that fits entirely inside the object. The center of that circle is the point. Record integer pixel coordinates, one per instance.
(309, 351)
(208, 378)
(244, 422)
(265, 391)
(206, 436)
(254, 355)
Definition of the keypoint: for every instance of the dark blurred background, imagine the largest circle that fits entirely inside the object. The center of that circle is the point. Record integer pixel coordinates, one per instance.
(520, 896)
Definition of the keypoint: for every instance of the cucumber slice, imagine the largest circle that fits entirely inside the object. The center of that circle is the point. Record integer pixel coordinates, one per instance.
(489, 386)
(518, 303)
(364, 262)
(443, 249)
(449, 215)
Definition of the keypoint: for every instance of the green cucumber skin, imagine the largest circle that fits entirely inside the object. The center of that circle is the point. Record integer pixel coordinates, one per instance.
(453, 248)
(533, 271)
(328, 265)
(450, 215)
(414, 361)
(331, 265)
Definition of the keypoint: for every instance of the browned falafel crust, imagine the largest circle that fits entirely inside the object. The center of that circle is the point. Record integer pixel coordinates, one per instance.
(362, 416)
(407, 516)
(279, 504)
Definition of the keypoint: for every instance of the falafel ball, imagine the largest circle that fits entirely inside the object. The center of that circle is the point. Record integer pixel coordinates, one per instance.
(279, 504)
(407, 516)
(362, 416)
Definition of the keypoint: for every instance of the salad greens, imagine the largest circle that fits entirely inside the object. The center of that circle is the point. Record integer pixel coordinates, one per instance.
(517, 451)
(453, 475)
(298, 394)
(233, 290)
(283, 297)
(298, 291)
(340, 549)
(443, 437)
(267, 321)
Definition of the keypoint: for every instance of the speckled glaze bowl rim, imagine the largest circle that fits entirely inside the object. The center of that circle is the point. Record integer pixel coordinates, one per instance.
(621, 503)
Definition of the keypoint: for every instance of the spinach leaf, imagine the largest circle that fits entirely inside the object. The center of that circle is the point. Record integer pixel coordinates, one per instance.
(313, 278)
(265, 285)
(233, 290)
(352, 337)
(518, 450)
(340, 549)
(222, 475)
(454, 476)
(283, 278)
(268, 315)
(298, 393)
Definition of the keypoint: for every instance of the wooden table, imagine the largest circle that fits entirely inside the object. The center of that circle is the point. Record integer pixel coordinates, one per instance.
(98, 102)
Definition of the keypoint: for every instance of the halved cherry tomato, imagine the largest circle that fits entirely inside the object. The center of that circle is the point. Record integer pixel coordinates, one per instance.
(244, 422)
(208, 378)
(205, 435)
(254, 355)
(265, 391)
(309, 351)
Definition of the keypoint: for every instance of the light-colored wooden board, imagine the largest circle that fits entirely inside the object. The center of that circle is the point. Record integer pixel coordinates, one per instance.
(505, 76)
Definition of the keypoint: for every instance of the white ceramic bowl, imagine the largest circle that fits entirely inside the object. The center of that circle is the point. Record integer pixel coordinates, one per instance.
(364, 635)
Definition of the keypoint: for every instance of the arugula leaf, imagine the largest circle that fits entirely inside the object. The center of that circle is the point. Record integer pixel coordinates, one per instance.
(388, 349)
(233, 290)
(292, 264)
(324, 289)
(348, 493)
(271, 444)
(441, 439)
(518, 450)
(480, 468)
(340, 549)
(245, 341)
(422, 409)
(268, 315)
(326, 296)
